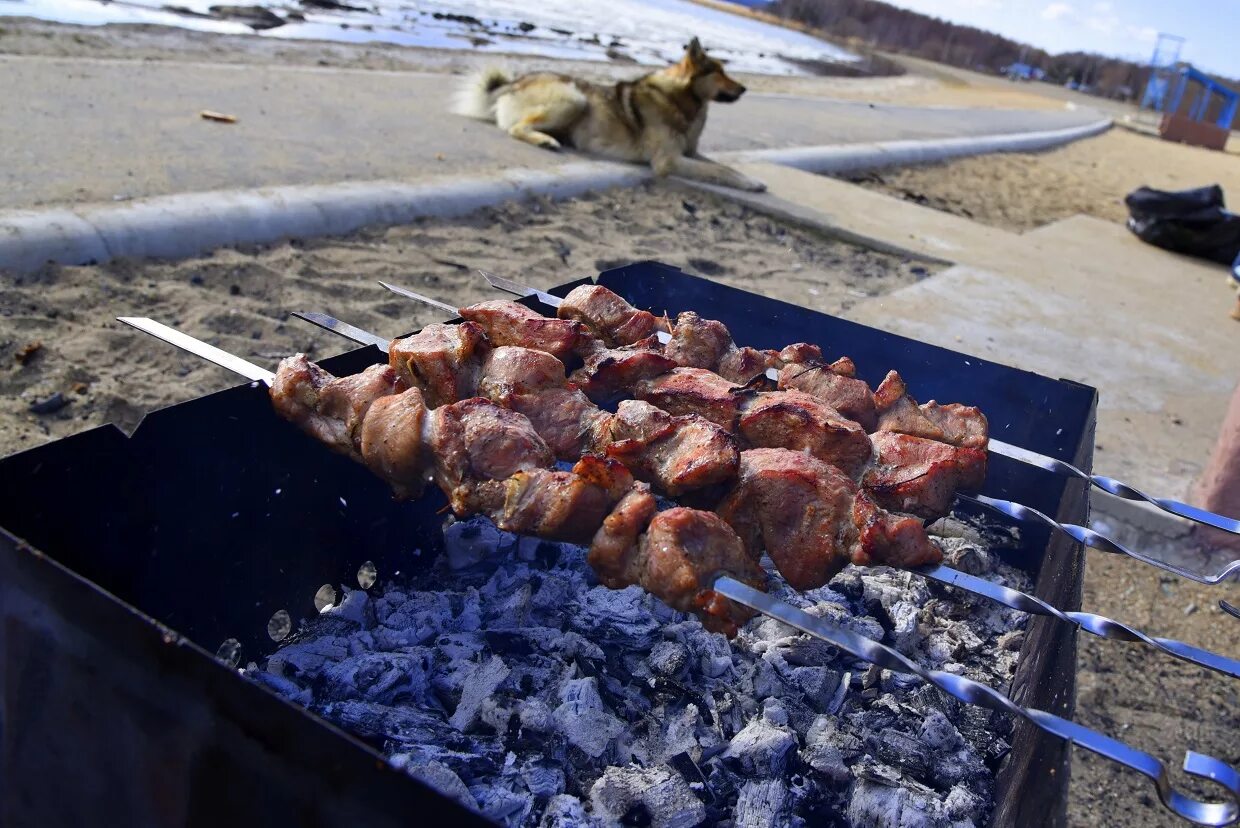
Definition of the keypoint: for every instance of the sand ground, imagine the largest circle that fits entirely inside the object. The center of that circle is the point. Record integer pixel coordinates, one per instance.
(1022, 191)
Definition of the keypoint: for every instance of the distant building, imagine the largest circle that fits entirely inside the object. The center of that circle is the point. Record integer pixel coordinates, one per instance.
(1023, 71)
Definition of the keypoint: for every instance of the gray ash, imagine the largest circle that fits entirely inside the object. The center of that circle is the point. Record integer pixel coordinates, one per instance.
(506, 678)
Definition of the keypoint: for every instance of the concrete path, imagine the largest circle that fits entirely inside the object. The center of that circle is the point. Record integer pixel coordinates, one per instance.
(98, 130)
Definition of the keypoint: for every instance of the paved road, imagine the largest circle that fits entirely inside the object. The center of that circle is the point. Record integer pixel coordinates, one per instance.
(96, 130)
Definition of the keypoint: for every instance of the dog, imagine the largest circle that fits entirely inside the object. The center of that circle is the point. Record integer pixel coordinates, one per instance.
(656, 119)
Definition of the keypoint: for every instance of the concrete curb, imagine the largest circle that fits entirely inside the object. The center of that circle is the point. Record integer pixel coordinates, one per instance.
(853, 157)
(179, 226)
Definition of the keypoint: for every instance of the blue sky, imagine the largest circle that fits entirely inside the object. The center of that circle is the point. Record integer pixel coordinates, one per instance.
(1126, 28)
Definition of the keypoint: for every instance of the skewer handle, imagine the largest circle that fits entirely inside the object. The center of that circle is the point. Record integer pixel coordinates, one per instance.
(199, 348)
(972, 692)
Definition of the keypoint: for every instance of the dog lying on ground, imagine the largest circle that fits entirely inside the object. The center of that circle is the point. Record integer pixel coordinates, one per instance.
(656, 119)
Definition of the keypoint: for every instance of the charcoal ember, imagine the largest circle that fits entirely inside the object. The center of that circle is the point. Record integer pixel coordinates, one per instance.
(818, 684)
(761, 803)
(903, 751)
(667, 658)
(481, 681)
(438, 776)
(502, 805)
(421, 616)
(962, 805)
(308, 657)
(566, 811)
(621, 616)
(828, 749)
(400, 725)
(713, 651)
(535, 715)
(288, 689)
(887, 587)
(355, 607)
(658, 793)
(582, 719)
(542, 779)
(565, 644)
(470, 542)
(841, 617)
(761, 748)
(384, 678)
(878, 805)
(679, 733)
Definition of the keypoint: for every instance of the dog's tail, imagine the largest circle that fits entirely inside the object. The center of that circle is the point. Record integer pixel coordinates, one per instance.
(475, 97)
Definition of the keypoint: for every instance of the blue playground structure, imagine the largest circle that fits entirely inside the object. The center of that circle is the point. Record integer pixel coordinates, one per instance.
(1169, 80)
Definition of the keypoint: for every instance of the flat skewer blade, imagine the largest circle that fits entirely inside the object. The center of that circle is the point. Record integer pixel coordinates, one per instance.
(336, 326)
(199, 348)
(520, 289)
(417, 297)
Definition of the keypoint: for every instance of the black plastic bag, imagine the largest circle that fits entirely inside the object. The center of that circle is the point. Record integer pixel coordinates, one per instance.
(1193, 222)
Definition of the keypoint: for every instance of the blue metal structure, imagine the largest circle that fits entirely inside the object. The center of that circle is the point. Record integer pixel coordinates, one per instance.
(1169, 80)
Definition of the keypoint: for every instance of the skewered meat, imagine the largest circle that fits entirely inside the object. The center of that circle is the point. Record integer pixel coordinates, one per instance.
(606, 372)
(611, 318)
(477, 440)
(693, 391)
(921, 476)
(679, 453)
(508, 323)
(329, 408)
(794, 420)
(706, 343)
(392, 441)
(813, 520)
(835, 384)
(442, 360)
(567, 506)
(959, 425)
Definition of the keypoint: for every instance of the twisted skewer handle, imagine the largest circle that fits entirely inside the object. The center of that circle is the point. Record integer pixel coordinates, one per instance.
(976, 693)
(1108, 484)
(1098, 625)
(1094, 540)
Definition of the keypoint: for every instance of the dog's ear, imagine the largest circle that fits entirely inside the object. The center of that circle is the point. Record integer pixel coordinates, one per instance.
(695, 51)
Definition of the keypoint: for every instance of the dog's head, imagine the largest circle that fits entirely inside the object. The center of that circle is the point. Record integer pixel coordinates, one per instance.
(705, 76)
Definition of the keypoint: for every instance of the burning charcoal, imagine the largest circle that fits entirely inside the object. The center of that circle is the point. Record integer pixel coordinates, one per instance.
(421, 616)
(774, 712)
(874, 804)
(938, 733)
(355, 607)
(667, 658)
(542, 779)
(438, 776)
(565, 811)
(307, 657)
(827, 748)
(762, 803)
(963, 805)
(817, 683)
(679, 733)
(582, 719)
(495, 716)
(283, 686)
(762, 749)
(622, 616)
(535, 715)
(663, 794)
(470, 542)
(403, 724)
(502, 805)
(383, 678)
(904, 752)
(482, 681)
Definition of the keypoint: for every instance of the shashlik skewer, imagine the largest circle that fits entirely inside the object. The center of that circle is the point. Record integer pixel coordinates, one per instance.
(812, 520)
(1200, 765)
(1054, 465)
(723, 398)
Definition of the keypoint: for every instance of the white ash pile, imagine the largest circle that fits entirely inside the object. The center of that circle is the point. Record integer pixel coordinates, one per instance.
(507, 679)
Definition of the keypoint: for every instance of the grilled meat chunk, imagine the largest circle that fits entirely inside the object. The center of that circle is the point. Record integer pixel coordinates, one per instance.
(442, 360)
(511, 369)
(567, 506)
(706, 343)
(835, 384)
(329, 408)
(614, 551)
(959, 425)
(795, 420)
(743, 365)
(609, 316)
(608, 372)
(962, 425)
(919, 475)
(676, 453)
(477, 440)
(813, 520)
(693, 391)
(508, 323)
(393, 438)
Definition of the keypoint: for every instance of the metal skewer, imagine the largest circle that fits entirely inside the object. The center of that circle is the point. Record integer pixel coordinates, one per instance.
(1108, 484)
(1200, 765)
(1098, 625)
(1082, 534)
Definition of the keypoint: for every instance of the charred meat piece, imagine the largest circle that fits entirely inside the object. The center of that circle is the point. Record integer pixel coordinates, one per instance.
(744, 365)
(813, 520)
(678, 453)
(959, 425)
(835, 384)
(477, 440)
(800, 352)
(442, 360)
(694, 391)
(609, 316)
(795, 420)
(329, 408)
(698, 342)
(511, 369)
(921, 476)
(608, 372)
(681, 555)
(614, 551)
(393, 442)
(508, 323)
(567, 506)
